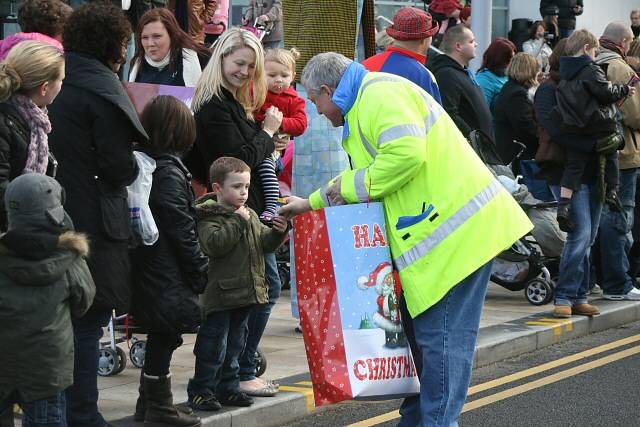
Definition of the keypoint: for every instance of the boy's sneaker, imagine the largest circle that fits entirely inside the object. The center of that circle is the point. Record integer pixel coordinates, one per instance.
(204, 402)
(236, 399)
(632, 295)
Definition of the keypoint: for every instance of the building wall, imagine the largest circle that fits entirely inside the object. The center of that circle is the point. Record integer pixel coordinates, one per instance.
(597, 13)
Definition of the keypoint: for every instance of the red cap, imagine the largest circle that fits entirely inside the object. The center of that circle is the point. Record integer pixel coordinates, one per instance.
(411, 23)
(445, 7)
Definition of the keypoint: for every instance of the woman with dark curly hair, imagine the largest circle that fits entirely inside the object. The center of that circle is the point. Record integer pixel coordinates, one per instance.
(164, 53)
(94, 127)
(40, 20)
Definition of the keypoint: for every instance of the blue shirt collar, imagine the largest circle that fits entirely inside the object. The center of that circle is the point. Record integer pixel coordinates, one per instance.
(347, 90)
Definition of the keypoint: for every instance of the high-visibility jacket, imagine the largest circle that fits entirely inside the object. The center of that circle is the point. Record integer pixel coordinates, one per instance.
(446, 213)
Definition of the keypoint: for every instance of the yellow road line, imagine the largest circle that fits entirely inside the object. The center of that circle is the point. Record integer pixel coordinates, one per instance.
(308, 392)
(478, 403)
(377, 420)
(528, 372)
(309, 383)
(553, 364)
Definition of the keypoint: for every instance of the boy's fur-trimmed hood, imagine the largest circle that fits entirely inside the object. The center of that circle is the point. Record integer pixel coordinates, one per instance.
(207, 205)
(33, 259)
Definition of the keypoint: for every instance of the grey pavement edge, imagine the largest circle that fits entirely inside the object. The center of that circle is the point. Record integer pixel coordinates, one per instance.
(495, 343)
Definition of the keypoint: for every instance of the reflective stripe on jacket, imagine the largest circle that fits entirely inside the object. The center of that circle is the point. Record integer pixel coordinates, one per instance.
(446, 213)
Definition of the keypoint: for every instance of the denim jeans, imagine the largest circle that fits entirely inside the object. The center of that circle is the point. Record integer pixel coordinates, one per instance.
(82, 396)
(49, 412)
(443, 341)
(219, 343)
(616, 239)
(258, 319)
(565, 33)
(575, 266)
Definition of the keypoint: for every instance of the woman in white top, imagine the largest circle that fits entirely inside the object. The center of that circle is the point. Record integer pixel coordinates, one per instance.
(537, 45)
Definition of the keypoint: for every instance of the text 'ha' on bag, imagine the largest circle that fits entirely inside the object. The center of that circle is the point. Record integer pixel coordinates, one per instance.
(143, 227)
(349, 295)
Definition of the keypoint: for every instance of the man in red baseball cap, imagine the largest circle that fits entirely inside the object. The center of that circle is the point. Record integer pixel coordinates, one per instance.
(412, 32)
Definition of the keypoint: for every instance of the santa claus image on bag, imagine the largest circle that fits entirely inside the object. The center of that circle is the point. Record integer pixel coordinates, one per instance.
(387, 317)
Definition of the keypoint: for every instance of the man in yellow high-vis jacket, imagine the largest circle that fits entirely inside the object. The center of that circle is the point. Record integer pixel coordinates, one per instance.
(447, 217)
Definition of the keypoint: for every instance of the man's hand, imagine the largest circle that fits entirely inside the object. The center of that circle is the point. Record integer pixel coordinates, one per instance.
(295, 206)
(243, 212)
(632, 90)
(279, 224)
(263, 18)
(334, 195)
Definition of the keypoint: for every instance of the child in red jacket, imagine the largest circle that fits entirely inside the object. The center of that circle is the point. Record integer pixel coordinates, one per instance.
(280, 66)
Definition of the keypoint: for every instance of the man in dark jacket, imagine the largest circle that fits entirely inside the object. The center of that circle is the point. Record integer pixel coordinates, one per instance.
(44, 282)
(567, 11)
(461, 95)
(94, 127)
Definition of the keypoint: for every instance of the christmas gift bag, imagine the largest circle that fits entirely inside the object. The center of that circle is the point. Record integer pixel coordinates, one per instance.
(348, 297)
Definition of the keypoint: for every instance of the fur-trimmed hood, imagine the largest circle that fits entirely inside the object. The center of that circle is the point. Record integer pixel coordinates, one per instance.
(207, 205)
(37, 259)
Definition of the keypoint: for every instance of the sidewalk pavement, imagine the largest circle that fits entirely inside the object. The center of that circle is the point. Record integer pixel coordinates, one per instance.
(510, 326)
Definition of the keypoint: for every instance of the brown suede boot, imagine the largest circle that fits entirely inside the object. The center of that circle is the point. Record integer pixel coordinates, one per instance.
(585, 310)
(562, 311)
(160, 408)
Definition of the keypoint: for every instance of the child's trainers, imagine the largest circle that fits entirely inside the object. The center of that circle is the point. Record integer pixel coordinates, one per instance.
(204, 402)
(267, 218)
(236, 399)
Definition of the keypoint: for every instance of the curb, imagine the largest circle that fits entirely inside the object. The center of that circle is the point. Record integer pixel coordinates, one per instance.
(527, 334)
(281, 409)
(495, 343)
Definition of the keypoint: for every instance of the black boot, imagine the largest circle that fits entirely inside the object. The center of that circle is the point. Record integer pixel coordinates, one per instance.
(565, 222)
(141, 403)
(160, 408)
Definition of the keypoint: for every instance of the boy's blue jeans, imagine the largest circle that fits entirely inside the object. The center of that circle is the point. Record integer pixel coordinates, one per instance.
(49, 412)
(219, 343)
(443, 341)
(258, 319)
(575, 265)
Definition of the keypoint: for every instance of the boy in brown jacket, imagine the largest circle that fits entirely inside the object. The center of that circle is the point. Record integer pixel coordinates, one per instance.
(235, 240)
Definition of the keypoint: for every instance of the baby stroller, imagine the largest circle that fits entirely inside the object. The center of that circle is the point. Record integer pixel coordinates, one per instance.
(113, 359)
(524, 266)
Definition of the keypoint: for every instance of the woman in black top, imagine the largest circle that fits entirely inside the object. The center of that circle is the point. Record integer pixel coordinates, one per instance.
(165, 54)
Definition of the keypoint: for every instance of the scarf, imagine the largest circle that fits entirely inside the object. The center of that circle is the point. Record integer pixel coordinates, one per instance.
(608, 44)
(39, 126)
(158, 64)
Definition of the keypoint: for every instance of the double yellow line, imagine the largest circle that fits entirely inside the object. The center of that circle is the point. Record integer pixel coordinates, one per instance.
(478, 403)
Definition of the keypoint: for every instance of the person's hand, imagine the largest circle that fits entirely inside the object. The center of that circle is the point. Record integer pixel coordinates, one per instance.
(272, 120)
(243, 212)
(295, 206)
(334, 195)
(282, 141)
(279, 223)
(263, 18)
(577, 10)
(245, 21)
(632, 90)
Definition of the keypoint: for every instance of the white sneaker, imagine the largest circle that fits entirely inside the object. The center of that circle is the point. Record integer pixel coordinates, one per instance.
(632, 295)
(596, 290)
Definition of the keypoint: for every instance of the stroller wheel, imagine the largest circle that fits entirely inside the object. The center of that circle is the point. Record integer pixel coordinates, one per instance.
(261, 363)
(137, 352)
(538, 291)
(107, 362)
(122, 360)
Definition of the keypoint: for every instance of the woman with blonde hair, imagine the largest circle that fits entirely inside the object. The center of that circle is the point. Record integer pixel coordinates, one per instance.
(514, 108)
(30, 79)
(233, 86)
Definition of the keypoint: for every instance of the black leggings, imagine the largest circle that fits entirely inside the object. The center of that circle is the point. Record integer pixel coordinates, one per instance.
(160, 348)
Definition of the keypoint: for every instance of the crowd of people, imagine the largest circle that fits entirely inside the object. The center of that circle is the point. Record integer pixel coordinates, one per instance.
(71, 140)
